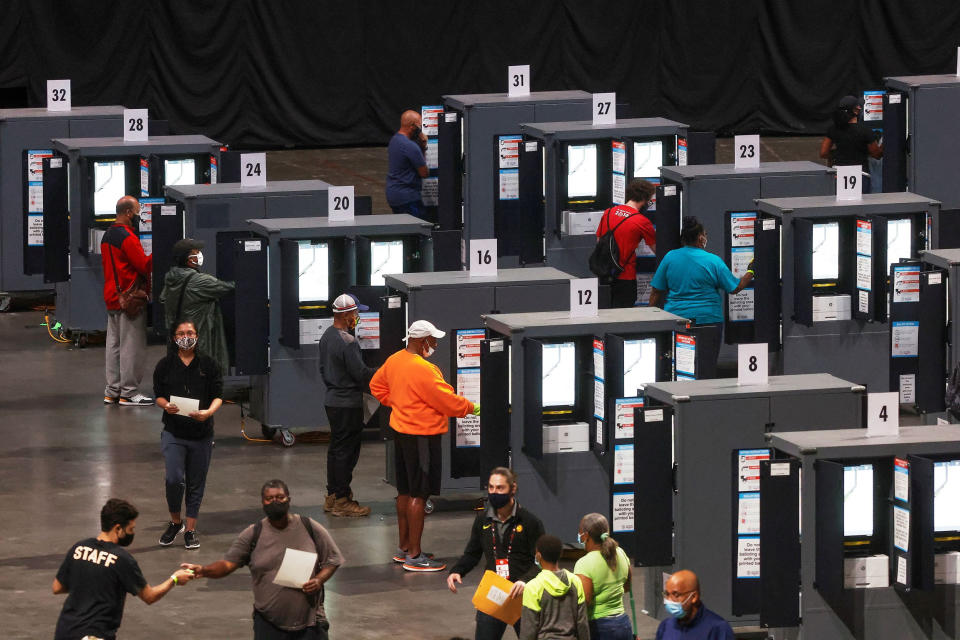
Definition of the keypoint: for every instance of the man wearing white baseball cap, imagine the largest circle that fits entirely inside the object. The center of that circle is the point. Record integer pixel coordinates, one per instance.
(346, 377)
(422, 404)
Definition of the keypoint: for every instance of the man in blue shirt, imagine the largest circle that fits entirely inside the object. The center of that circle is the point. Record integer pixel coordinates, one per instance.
(407, 166)
(689, 618)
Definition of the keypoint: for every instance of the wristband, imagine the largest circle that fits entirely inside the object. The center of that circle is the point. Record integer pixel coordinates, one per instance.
(750, 271)
(174, 578)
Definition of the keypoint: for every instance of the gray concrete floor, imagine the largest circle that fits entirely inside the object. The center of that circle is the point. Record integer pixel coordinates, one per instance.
(65, 454)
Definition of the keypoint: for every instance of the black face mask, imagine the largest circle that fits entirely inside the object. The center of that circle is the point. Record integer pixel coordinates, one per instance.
(276, 510)
(415, 134)
(125, 541)
(499, 500)
(135, 222)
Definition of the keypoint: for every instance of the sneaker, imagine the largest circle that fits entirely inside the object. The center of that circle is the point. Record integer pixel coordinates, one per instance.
(138, 400)
(401, 555)
(423, 564)
(173, 529)
(345, 507)
(190, 540)
(110, 399)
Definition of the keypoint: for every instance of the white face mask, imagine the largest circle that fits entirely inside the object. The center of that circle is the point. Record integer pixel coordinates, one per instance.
(199, 259)
(430, 351)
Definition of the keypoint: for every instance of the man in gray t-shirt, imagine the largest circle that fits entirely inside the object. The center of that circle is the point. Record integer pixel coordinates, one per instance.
(346, 377)
(281, 613)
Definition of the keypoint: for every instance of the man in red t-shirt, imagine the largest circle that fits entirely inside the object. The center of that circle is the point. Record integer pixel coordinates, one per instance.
(126, 337)
(630, 227)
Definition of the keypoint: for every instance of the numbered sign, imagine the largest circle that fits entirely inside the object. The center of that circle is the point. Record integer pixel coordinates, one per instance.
(483, 258)
(340, 203)
(135, 127)
(883, 414)
(752, 363)
(518, 80)
(604, 108)
(58, 95)
(253, 169)
(583, 297)
(746, 152)
(849, 182)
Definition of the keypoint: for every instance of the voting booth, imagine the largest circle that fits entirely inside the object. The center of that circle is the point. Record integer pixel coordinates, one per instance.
(478, 136)
(570, 172)
(936, 304)
(558, 395)
(874, 542)
(82, 184)
(454, 302)
(288, 276)
(713, 433)
(919, 154)
(25, 136)
(217, 214)
(842, 278)
(723, 197)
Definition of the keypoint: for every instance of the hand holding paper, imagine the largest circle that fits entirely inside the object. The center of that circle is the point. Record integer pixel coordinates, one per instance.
(185, 406)
(296, 568)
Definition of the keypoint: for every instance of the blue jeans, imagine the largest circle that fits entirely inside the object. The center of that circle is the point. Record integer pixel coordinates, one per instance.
(186, 463)
(489, 628)
(612, 628)
(414, 208)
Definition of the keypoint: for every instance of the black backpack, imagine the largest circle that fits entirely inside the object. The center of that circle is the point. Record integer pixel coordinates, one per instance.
(605, 257)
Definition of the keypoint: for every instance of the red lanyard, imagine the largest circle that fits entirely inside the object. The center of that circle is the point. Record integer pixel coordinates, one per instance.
(493, 534)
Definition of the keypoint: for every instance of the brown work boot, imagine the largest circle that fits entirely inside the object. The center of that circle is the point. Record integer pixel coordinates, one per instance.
(345, 507)
(328, 502)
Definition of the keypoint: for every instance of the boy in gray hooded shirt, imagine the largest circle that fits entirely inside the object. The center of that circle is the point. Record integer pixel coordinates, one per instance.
(553, 603)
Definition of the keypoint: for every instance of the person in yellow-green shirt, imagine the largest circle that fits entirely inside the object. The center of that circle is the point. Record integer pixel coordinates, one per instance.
(605, 573)
(554, 606)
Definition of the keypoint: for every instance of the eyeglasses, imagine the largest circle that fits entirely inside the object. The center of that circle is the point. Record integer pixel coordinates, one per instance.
(676, 595)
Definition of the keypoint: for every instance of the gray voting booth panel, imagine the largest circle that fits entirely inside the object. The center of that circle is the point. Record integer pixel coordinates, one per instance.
(488, 115)
(879, 613)
(709, 191)
(712, 419)
(571, 253)
(453, 300)
(212, 209)
(291, 394)
(851, 349)
(28, 129)
(561, 488)
(933, 102)
(949, 260)
(80, 299)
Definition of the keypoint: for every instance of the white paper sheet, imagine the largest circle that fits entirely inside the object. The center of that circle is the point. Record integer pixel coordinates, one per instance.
(186, 406)
(901, 529)
(623, 514)
(296, 568)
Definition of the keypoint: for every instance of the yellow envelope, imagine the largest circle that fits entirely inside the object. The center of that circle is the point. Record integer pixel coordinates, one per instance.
(491, 598)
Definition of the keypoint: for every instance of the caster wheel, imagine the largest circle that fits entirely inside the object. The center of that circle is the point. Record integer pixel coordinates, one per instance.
(287, 439)
(82, 341)
(428, 506)
(268, 432)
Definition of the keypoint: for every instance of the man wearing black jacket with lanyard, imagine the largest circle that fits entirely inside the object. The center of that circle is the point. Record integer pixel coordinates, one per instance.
(506, 535)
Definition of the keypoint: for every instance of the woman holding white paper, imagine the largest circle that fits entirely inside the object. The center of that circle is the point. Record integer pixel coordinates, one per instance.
(188, 386)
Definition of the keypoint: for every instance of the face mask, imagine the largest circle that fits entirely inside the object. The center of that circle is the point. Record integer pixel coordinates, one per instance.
(186, 342)
(276, 510)
(498, 500)
(199, 258)
(125, 541)
(429, 352)
(580, 539)
(676, 608)
(536, 561)
(135, 223)
(415, 134)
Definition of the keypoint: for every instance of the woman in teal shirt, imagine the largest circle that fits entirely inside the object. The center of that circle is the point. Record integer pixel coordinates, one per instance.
(605, 573)
(690, 282)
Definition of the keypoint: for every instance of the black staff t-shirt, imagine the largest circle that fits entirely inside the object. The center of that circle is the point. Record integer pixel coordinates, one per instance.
(98, 576)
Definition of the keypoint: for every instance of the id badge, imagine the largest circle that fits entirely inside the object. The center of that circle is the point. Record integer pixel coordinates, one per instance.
(503, 568)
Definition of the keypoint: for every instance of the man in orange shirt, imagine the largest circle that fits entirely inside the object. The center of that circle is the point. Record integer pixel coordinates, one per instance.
(422, 404)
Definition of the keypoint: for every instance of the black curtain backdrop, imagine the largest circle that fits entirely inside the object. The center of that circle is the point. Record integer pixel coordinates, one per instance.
(264, 73)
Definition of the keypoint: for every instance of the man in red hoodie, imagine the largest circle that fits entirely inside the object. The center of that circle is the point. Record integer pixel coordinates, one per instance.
(123, 261)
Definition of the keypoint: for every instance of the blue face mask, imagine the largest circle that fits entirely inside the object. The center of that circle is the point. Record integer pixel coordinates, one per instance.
(675, 608)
